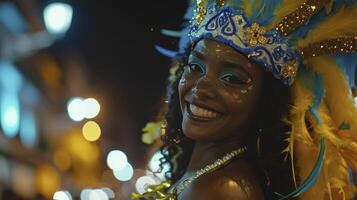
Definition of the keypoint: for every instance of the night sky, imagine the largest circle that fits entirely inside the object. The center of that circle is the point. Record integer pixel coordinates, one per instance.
(116, 39)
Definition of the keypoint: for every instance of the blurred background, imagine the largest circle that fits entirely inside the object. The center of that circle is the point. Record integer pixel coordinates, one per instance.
(78, 81)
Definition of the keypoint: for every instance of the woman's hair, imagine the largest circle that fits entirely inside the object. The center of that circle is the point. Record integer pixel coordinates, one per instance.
(272, 166)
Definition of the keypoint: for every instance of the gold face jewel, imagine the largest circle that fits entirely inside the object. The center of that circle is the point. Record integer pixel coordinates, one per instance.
(254, 35)
(289, 69)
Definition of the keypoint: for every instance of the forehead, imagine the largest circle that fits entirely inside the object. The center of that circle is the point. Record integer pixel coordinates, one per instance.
(220, 51)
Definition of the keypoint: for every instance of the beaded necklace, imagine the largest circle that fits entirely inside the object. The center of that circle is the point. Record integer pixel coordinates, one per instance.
(162, 192)
(219, 163)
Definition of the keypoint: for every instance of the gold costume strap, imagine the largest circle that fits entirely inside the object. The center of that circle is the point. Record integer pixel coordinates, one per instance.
(300, 16)
(331, 46)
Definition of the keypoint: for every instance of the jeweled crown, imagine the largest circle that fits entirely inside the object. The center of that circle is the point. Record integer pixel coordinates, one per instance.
(272, 48)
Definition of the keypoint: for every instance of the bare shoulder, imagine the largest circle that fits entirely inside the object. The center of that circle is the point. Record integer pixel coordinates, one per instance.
(236, 181)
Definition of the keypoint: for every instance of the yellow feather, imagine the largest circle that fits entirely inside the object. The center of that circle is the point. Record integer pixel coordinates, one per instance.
(339, 99)
(287, 7)
(299, 134)
(341, 24)
(341, 150)
(248, 9)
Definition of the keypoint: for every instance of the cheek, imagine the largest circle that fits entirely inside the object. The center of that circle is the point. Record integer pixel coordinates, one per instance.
(242, 102)
(185, 84)
(239, 96)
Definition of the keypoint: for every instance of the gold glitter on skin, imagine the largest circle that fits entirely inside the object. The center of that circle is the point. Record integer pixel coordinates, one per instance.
(244, 91)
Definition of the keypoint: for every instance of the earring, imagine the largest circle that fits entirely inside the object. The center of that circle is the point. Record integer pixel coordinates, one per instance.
(177, 138)
(163, 127)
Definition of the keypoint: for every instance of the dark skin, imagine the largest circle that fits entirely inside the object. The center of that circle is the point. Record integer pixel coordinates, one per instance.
(226, 86)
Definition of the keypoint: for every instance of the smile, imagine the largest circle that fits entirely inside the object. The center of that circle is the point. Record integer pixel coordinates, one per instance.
(201, 114)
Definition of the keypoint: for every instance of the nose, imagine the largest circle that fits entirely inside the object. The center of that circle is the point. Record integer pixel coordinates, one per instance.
(204, 88)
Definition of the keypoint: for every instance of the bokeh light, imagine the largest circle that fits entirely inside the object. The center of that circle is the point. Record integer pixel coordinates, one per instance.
(10, 114)
(58, 18)
(98, 195)
(95, 194)
(76, 109)
(22, 180)
(62, 195)
(92, 108)
(85, 194)
(117, 160)
(91, 131)
(62, 159)
(154, 165)
(28, 129)
(144, 182)
(10, 77)
(124, 174)
(47, 180)
(109, 192)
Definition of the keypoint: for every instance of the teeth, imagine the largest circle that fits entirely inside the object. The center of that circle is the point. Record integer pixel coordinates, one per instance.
(201, 112)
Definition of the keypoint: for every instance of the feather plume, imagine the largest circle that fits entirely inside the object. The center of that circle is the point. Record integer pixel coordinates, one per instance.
(341, 24)
(283, 9)
(339, 99)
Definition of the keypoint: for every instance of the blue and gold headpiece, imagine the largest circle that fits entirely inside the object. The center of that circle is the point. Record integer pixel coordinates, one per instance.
(232, 27)
(272, 48)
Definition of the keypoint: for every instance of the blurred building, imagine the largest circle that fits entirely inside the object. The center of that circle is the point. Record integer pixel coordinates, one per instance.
(41, 149)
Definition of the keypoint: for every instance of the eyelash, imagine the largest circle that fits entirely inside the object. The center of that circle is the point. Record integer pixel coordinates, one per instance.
(230, 78)
(193, 67)
(235, 81)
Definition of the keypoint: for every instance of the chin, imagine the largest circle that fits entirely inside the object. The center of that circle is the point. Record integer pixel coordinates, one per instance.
(200, 131)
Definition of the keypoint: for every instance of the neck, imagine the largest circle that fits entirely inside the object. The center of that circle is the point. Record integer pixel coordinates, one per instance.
(205, 153)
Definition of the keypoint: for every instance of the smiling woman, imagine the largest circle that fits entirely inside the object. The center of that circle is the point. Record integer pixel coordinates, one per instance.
(255, 108)
(218, 87)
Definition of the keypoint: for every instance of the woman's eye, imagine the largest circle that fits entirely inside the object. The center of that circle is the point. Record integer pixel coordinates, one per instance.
(195, 68)
(232, 79)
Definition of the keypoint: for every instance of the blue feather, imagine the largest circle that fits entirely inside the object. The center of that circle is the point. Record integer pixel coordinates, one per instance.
(350, 171)
(312, 178)
(265, 11)
(171, 33)
(166, 52)
(185, 41)
(348, 63)
(318, 90)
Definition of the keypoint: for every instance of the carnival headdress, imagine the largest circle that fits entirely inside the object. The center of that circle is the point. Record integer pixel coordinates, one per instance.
(310, 45)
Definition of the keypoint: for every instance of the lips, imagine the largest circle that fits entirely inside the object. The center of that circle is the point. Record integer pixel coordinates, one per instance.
(199, 113)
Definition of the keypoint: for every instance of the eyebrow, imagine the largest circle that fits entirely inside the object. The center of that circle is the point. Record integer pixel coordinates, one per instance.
(225, 64)
(198, 55)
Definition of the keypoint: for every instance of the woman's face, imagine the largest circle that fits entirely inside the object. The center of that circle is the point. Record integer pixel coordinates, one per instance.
(219, 92)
